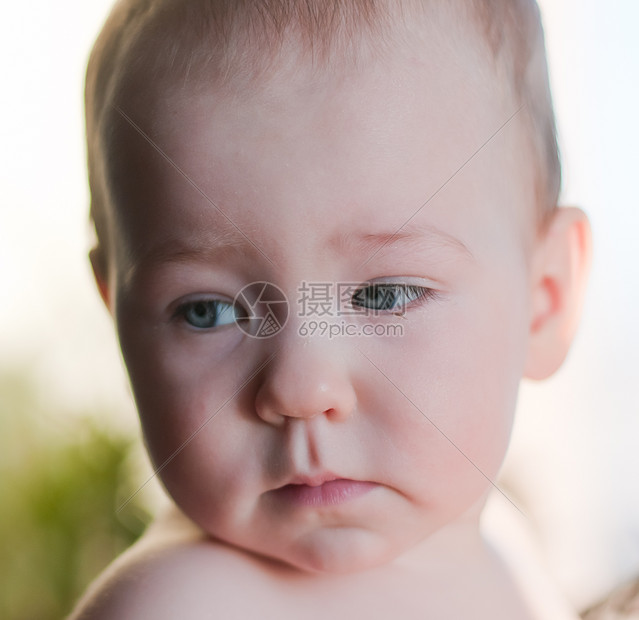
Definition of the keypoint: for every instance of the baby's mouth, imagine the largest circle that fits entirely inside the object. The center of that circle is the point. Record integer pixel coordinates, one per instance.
(316, 492)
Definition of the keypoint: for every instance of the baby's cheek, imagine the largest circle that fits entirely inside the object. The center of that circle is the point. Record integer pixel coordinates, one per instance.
(203, 465)
(467, 388)
(176, 395)
(490, 402)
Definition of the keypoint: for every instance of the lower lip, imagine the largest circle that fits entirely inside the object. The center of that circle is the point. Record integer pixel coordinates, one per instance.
(329, 493)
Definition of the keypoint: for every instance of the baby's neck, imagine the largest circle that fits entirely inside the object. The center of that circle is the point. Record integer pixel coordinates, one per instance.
(454, 573)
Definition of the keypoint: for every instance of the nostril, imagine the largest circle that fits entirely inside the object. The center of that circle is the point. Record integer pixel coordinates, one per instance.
(271, 417)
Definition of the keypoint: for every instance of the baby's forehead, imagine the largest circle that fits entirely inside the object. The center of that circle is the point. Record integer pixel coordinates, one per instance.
(289, 69)
(248, 45)
(378, 144)
(148, 58)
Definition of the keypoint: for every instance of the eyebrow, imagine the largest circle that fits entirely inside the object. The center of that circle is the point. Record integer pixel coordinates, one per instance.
(212, 247)
(204, 248)
(416, 235)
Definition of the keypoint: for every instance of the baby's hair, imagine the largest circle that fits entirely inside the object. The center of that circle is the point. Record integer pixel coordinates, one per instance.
(160, 43)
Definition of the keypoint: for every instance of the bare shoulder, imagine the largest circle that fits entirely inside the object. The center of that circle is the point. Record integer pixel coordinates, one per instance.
(622, 603)
(173, 572)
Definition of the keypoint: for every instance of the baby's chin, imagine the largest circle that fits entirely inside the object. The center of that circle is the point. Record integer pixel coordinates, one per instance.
(330, 551)
(347, 550)
(344, 551)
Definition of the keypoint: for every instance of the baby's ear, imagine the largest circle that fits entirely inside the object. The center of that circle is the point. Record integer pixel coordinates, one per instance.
(99, 266)
(560, 266)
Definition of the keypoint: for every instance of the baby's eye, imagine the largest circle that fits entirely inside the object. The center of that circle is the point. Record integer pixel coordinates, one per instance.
(389, 297)
(209, 313)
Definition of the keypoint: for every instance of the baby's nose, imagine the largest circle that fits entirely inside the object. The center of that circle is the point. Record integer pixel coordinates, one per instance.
(307, 377)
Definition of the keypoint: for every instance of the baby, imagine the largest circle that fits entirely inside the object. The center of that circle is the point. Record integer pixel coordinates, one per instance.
(328, 235)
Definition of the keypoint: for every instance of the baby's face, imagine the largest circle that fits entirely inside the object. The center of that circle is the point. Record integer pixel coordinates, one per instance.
(331, 454)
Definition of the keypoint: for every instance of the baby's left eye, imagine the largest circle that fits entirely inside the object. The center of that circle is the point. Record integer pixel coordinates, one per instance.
(389, 297)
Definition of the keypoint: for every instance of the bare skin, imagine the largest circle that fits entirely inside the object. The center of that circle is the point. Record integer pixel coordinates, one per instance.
(175, 571)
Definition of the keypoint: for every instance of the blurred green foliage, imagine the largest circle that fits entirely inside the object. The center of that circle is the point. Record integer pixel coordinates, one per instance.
(62, 479)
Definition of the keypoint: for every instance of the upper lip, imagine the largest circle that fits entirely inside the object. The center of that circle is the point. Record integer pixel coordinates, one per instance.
(314, 480)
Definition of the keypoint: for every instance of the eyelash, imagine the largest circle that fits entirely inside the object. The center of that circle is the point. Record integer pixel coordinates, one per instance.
(417, 295)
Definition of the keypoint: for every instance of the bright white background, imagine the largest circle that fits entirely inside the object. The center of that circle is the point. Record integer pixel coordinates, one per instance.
(577, 436)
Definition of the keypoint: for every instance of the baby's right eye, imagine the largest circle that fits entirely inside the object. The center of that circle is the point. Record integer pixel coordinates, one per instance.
(209, 313)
